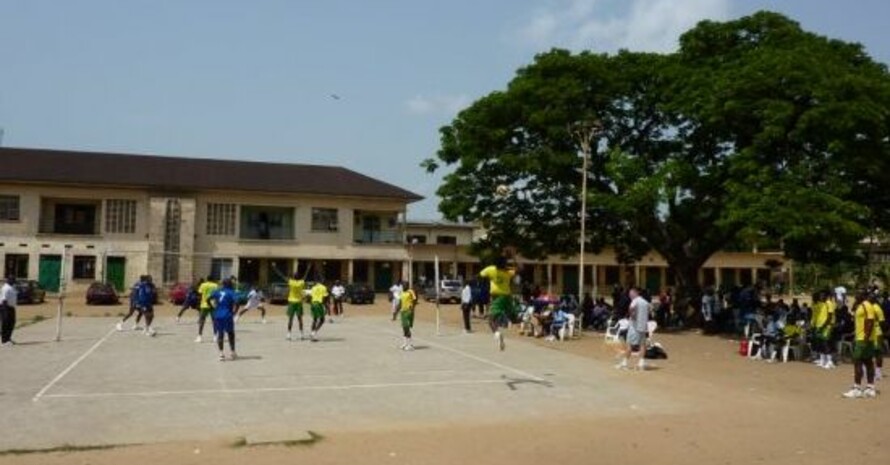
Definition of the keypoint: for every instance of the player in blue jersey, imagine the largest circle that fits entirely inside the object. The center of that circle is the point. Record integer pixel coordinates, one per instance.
(224, 303)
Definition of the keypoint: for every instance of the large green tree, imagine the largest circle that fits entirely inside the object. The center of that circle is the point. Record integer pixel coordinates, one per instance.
(753, 130)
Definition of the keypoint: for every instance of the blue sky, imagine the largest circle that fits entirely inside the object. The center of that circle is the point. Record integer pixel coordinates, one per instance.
(253, 80)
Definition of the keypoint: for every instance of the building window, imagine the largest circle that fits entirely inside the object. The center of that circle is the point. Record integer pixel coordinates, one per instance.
(75, 219)
(446, 240)
(120, 216)
(416, 239)
(84, 267)
(220, 219)
(9, 208)
(324, 219)
(220, 268)
(16, 265)
(261, 222)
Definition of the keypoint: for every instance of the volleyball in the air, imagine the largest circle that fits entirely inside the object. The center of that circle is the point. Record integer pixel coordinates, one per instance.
(502, 190)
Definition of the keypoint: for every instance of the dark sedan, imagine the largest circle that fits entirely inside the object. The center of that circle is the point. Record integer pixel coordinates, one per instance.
(102, 294)
(30, 292)
(277, 293)
(359, 294)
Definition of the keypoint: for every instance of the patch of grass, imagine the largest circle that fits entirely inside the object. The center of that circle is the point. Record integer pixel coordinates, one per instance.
(65, 448)
(311, 440)
(35, 319)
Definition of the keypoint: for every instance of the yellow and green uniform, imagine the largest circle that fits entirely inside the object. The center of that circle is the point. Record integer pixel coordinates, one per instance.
(205, 290)
(877, 332)
(318, 293)
(501, 300)
(295, 288)
(406, 306)
(823, 318)
(862, 342)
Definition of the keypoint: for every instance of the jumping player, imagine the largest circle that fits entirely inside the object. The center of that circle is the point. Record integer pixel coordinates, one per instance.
(501, 309)
(407, 303)
(192, 300)
(255, 300)
(206, 289)
(863, 351)
(223, 303)
(133, 308)
(319, 293)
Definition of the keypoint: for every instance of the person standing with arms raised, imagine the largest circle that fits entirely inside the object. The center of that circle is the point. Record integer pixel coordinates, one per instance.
(501, 310)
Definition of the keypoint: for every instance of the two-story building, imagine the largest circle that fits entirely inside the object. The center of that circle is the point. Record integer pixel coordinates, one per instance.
(77, 217)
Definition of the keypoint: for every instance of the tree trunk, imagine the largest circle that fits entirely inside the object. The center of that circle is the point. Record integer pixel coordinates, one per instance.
(688, 293)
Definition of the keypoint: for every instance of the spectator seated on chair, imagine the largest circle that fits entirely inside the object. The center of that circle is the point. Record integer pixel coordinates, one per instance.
(558, 324)
(771, 337)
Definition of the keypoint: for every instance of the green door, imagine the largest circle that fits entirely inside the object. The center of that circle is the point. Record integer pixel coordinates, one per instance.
(49, 268)
(653, 279)
(570, 279)
(382, 276)
(115, 272)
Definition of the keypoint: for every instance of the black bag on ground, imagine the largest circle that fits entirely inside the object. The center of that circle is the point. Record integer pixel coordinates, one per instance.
(655, 352)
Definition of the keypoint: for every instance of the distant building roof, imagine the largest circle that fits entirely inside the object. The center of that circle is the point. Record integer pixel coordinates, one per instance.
(440, 224)
(188, 174)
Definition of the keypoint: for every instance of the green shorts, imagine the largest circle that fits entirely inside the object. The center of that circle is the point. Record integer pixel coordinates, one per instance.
(317, 310)
(502, 305)
(294, 308)
(205, 312)
(407, 319)
(863, 350)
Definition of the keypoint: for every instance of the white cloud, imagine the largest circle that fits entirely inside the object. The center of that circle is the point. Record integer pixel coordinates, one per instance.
(447, 105)
(609, 25)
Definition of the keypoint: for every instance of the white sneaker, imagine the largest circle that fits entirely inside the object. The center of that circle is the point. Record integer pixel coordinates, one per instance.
(264, 321)
(8, 344)
(119, 326)
(641, 365)
(222, 357)
(829, 366)
(288, 337)
(403, 346)
(878, 374)
(233, 356)
(199, 339)
(136, 327)
(150, 332)
(622, 365)
(870, 392)
(312, 337)
(854, 393)
(302, 336)
(178, 320)
(409, 347)
(237, 317)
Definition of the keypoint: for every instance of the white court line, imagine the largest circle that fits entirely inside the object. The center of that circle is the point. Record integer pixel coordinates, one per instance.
(74, 364)
(483, 360)
(464, 354)
(282, 389)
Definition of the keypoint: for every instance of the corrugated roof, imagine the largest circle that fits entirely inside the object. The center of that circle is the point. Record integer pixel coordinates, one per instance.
(188, 174)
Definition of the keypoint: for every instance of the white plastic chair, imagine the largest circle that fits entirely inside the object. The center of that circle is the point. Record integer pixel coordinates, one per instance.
(613, 331)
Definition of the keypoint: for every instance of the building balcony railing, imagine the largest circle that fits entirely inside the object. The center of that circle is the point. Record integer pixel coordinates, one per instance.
(363, 236)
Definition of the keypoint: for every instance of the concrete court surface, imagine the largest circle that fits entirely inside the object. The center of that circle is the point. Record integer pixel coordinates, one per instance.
(99, 386)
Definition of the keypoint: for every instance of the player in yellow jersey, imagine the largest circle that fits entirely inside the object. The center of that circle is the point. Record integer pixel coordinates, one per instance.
(502, 307)
(407, 303)
(822, 323)
(204, 291)
(296, 287)
(319, 294)
(863, 351)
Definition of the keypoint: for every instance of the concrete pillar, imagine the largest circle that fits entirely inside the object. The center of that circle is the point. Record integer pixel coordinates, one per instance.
(637, 281)
(189, 209)
(350, 270)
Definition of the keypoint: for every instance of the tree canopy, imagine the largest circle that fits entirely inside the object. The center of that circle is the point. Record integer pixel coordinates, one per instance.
(753, 130)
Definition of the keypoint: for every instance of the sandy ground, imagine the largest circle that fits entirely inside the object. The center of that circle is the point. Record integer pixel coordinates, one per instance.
(745, 412)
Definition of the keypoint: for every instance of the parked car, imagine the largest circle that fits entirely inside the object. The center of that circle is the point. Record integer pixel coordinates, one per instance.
(359, 293)
(30, 292)
(449, 291)
(102, 294)
(178, 293)
(277, 293)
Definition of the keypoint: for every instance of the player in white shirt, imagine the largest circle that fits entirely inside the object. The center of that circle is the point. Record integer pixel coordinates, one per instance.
(396, 292)
(255, 300)
(8, 302)
(338, 293)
